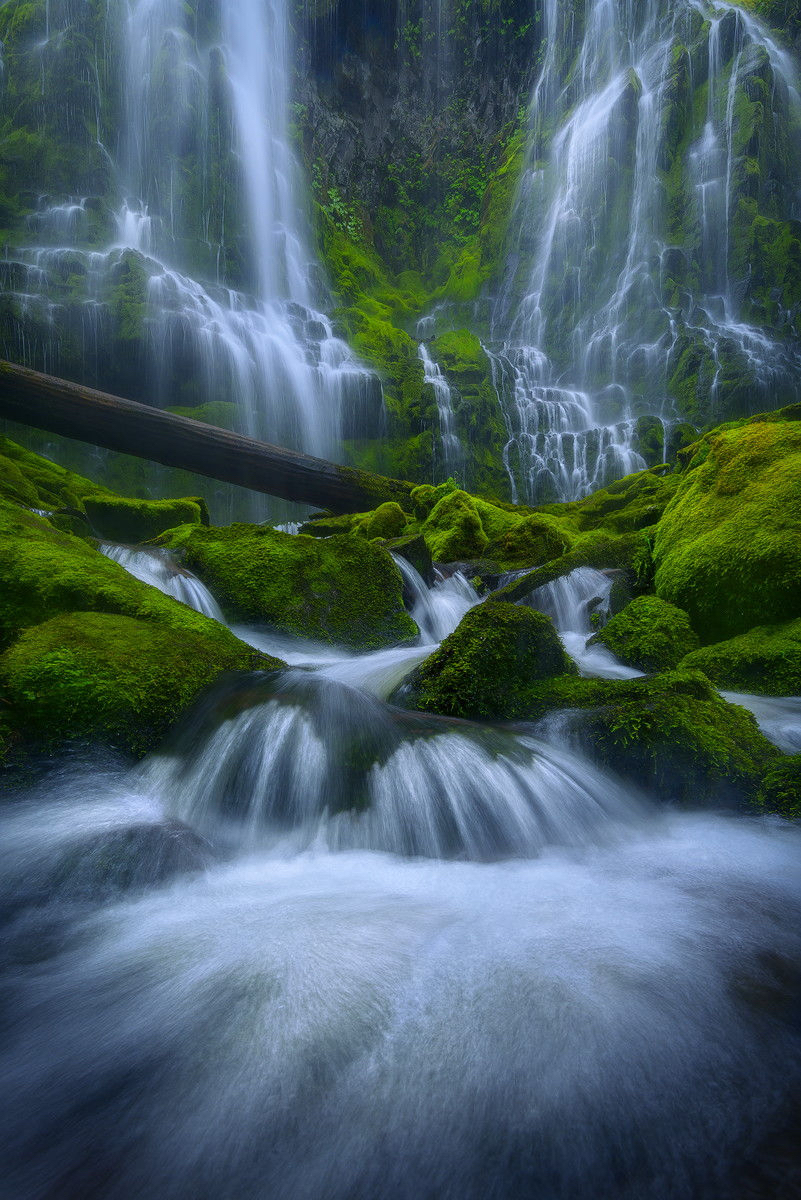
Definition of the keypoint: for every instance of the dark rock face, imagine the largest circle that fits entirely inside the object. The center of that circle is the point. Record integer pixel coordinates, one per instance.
(406, 106)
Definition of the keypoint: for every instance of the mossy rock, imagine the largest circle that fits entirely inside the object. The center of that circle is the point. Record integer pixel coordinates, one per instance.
(453, 529)
(387, 521)
(132, 521)
(426, 497)
(115, 679)
(45, 572)
(780, 789)
(675, 736)
(487, 666)
(341, 589)
(728, 548)
(765, 661)
(29, 479)
(649, 634)
(530, 541)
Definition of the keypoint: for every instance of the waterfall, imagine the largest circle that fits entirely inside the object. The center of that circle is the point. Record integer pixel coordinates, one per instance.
(608, 287)
(437, 610)
(208, 193)
(158, 568)
(451, 448)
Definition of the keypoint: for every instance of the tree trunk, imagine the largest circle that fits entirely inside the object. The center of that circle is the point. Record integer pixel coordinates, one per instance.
(74, 411)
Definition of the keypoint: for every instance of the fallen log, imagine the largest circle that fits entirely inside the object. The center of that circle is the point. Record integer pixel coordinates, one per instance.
(87, 415)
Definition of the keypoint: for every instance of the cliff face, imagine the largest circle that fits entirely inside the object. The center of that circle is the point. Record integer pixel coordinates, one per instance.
(591, 274)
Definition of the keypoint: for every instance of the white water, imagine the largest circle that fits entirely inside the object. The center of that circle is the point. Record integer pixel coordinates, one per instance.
(158, 568)
(250, 966)
(451, 449)
(570, 602)
(586, 331)
(263, 345)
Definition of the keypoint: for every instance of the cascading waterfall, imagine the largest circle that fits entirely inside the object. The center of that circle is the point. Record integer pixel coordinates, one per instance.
(158, 568)
(604, 297)
(222, 99)
(451, 449)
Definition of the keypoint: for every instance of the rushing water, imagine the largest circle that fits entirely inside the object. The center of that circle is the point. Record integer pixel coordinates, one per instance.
(590, 322)
(265, 345)
(318, 946)
(451, 449)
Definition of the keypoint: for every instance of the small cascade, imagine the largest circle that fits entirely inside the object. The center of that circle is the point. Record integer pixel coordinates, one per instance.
(607, 291)
(451, 448)
(159, 569)
(571, 601)
(439, 609)
(414, 785)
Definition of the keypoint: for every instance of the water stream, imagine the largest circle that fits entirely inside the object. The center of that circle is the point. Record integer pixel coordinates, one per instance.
(319, 946)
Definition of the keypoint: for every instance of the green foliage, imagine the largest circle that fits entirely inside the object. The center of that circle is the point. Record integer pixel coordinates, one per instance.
(487, 667)
(341, 589)
(766, 660)
(387, 521)
(35, 482)
(453, 530)
(675, 735)
(132, 521)
(780, 790)
(115, 679)
(649, 634)
(728, 547)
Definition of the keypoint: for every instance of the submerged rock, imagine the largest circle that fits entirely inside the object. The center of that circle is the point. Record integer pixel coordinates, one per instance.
(649, 634)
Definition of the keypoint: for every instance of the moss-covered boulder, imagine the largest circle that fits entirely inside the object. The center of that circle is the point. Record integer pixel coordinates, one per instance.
(765, 661)
(780, 789)
(649, 634)
(453, 529)
(31, 480)
(119, 520)
(114, 679)
(675, 736)
(45, 572)
(387, 521)
(728, 548)
(489, 665)
(341, 589)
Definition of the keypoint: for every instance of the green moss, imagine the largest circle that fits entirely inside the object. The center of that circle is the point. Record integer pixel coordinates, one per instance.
(780, 790)
(487, 667)
(649, 634)
(453, 530)
(45, 572)
(122, 681)
(674, 735)
(217, 412)
(728, 548)
(387, 521)
(766, 660)
(340, 589)
(29, 479)
(131, 521)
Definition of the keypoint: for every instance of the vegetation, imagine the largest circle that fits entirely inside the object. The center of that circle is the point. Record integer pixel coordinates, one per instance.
(489, 665)
(342, 589)
(649, 634)
(728, 548)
